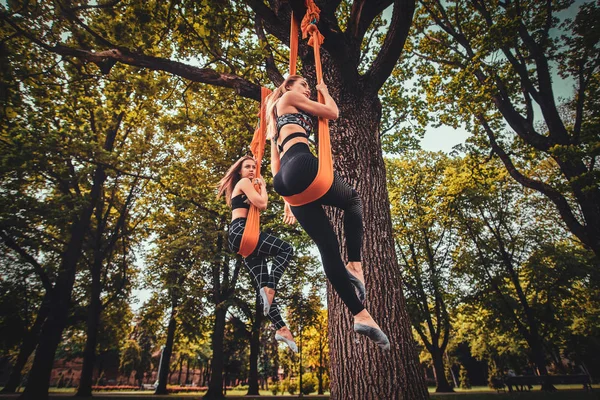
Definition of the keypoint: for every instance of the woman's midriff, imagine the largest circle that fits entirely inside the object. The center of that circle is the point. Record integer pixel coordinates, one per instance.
(288, 130)
(239, 213)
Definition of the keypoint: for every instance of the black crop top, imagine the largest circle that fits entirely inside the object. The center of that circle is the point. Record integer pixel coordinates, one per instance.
(240, 201)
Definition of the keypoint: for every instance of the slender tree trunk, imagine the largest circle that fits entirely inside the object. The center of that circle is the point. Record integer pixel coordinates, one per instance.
(361, 370)
(180, 371)
(187, 372)
(93, 324)
(300, 359)
(540, 362)
(441, 381)
(254, 350)
(39, 377)
(320, 370)
(163, 374)
(215, 386)
(27, 346)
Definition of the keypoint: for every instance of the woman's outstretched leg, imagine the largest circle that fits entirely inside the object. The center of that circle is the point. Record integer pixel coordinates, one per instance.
(257, 267)
(281, 253)
(313, 219)
(343, 196)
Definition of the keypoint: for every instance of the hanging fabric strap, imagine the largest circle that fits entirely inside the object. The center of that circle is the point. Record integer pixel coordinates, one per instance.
(322, 182)
(257, 147)
(324, 179)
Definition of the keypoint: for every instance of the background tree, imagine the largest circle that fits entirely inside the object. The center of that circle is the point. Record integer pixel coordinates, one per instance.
(491, 66)
(64, 135)
(316, 350)
(147, 333)
(424, 231)
(130, 359)
(501, 238)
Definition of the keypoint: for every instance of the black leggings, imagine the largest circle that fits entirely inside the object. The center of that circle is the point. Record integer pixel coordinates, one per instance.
(256, 263)
(298, 169)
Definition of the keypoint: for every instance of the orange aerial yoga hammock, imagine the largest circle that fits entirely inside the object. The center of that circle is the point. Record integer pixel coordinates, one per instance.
(257, 146)
(324, 179)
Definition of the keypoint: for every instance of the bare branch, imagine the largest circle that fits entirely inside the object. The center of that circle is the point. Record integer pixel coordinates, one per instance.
(12, 244)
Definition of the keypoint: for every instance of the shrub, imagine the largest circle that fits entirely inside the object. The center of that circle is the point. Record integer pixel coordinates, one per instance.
(465, 383)
(292, 387)
(309, 383)
(276, 388)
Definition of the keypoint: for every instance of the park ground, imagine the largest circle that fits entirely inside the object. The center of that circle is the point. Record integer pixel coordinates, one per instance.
(565, 392)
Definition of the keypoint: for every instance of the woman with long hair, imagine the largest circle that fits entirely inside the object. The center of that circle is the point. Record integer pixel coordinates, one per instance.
(290, 113)
(238, 188)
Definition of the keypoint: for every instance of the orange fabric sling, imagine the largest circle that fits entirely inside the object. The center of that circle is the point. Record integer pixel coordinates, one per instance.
(324, 179)
(252, 229)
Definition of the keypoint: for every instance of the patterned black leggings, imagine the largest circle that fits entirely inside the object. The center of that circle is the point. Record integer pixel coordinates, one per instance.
(256, 263)
(298, 169)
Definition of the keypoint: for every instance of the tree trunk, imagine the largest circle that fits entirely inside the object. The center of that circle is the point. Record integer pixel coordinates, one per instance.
(27, 346)
(361, 370)
(215, 386)
(300, 361)
(187, 372)
(180, 371)
(163, 374)
(441, 382)
(93, 324)
(52, 329)
(539, 359)
(320, 370)
(255, 350)
(60, 298)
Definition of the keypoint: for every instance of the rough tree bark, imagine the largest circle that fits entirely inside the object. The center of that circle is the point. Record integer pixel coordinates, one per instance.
(361, 370)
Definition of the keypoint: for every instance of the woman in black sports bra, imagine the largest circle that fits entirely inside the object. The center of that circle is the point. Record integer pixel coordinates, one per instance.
(237, 186)
(290, 114)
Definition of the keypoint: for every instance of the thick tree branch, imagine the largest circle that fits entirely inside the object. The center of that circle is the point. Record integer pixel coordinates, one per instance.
(558, 199)
(362, 15)
(105, 60)
(271, 21)
(547, 104)
(272, 71)
(203, 75)
(392, 47)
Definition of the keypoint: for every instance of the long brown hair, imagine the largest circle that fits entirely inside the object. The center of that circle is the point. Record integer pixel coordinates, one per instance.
(272, 99)
(231, 178)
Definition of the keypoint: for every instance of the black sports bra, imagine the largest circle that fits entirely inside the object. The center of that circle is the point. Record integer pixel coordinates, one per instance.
(240, 201)
(300, 118)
